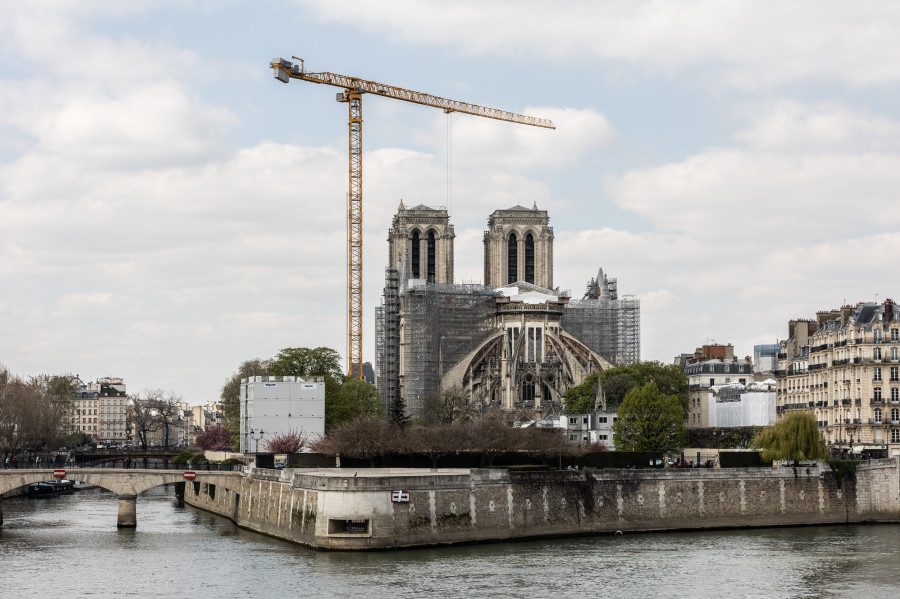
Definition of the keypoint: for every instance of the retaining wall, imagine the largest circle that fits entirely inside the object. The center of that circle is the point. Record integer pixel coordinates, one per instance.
(350, 509)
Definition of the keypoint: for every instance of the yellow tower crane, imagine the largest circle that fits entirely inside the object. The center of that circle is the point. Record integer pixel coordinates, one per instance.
(353, 89)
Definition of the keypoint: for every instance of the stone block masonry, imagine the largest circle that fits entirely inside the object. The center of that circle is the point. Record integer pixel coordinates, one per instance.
(346, 509)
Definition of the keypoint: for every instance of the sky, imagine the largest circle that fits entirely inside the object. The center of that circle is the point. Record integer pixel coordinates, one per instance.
(169, 210)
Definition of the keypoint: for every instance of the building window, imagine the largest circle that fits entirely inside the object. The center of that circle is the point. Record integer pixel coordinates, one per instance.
(895, 435)
(712, 382)
(431, 257)
(529, 259)
(876, 373)
(895, 394)
(895, 414)
(877, 392)
(877, 335)
(414, 258)
(876, 353)
(602, 419)
(895, 334)
(512, 260)
(895, 354)
(573, 420)
(877, 415)
(895, 372)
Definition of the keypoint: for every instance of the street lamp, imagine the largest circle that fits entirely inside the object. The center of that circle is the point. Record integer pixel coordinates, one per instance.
(256, 435)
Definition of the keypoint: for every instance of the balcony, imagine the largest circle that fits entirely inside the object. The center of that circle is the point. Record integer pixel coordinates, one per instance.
(876, 401)
(858, 402)
(844, 402)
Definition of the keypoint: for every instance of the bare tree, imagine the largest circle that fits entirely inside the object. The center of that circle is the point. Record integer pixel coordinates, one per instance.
(289, 442)
(144, 416)
(448, 407)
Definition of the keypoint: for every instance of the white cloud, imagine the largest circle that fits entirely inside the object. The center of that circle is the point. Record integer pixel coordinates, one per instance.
(803, 176)
(756, 44)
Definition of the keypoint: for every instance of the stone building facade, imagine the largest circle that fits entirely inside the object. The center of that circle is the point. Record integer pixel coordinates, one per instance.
(844, 367)
(503, 344)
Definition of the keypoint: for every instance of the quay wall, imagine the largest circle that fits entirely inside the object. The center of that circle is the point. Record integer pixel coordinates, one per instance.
(346, 509)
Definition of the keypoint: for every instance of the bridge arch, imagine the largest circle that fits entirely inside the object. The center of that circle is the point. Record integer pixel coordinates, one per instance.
(126, 484)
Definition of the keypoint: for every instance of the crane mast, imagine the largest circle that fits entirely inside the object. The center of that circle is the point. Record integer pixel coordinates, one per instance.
(353, 89)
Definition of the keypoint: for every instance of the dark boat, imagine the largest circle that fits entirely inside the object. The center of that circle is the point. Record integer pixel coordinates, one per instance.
(48, 488)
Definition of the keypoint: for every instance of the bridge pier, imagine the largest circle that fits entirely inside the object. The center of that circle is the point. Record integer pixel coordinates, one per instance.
(127, 511)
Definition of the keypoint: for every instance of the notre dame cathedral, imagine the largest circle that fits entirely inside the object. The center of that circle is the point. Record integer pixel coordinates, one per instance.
(514, 341)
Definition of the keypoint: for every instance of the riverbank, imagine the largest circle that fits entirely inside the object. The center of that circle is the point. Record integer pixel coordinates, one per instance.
(373, 509)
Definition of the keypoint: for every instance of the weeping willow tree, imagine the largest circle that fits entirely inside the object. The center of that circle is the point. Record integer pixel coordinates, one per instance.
(794, 438)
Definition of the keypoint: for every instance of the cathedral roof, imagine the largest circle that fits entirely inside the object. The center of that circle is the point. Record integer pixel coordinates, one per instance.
(424, 207)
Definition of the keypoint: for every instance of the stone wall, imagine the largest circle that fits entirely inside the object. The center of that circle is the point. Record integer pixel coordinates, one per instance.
(349, 509)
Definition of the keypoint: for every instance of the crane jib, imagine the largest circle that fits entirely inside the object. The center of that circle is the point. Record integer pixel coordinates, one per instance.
(353, 88)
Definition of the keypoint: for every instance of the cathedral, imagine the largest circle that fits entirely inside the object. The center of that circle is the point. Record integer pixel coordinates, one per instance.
(514, 341)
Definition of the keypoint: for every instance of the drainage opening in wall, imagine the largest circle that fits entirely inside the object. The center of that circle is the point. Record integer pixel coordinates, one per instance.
(348, 527)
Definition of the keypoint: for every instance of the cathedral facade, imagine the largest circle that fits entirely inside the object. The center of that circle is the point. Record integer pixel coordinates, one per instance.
(506, 343)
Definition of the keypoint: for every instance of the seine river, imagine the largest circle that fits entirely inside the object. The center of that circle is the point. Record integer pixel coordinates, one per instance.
(69, 547)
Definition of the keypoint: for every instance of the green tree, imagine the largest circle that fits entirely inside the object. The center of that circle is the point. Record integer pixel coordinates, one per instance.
(231, 394)
(581, 398)
(348, 401)
(794, 438)
(306, 362)
(668, 378)
(649, 420)
(396, 413)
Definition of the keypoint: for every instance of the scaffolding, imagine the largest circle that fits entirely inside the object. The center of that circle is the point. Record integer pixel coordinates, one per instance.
(608, 325)
(387, 340)
(442, 323)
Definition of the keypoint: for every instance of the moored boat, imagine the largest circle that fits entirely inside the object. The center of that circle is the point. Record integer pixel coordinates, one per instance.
(48, 488)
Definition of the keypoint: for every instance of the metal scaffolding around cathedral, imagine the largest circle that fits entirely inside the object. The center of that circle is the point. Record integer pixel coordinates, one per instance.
(515, 342)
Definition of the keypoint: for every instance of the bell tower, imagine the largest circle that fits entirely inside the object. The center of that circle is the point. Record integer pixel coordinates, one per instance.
(518, 247)
(420, 244)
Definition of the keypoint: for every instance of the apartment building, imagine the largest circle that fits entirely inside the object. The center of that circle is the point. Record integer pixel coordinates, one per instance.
(844, 367)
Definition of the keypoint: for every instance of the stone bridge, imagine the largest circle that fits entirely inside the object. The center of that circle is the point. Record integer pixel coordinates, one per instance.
(124, 483)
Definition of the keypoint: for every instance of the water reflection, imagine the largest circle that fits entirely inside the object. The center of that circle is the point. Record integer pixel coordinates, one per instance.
(70, 545)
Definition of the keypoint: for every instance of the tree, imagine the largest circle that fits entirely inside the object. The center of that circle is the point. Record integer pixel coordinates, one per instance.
(289, 442)
(346, 402)
(649, 420)
(231, 394)
(306, 362)
(668, 378)
(397, 415)
(794, 438)
(144, 416)
(582, 398)
(366, 437)
(31, 414)
(448, 407)
(215, 438)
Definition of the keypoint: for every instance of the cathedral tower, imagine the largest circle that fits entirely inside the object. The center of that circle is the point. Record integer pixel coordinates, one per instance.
(420, 244)
(518, 246)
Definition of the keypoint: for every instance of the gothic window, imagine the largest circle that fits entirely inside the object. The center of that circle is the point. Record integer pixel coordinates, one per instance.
(512, 260)
(431, 257)
(529, 259)
(414, 258)
(528, 390)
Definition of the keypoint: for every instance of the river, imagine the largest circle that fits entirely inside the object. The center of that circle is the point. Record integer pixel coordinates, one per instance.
(69, 546)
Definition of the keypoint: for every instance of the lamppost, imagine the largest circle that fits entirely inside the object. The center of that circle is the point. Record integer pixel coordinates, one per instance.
(256, 435)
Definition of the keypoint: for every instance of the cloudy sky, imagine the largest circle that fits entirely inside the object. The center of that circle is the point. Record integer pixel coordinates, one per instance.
(168, 209)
